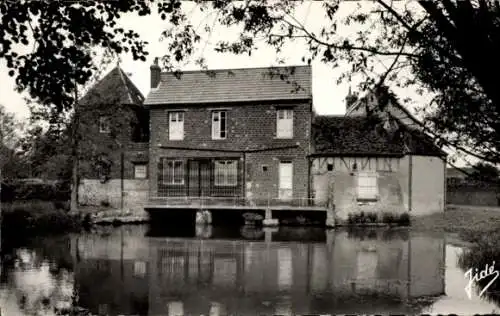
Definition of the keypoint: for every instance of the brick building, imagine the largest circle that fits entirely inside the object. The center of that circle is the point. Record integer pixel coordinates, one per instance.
(113, 147)
(230, 135)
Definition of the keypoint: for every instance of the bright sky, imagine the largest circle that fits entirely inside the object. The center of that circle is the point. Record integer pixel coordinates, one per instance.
(328, 96)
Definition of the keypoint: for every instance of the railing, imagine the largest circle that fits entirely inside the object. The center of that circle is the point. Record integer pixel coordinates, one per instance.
(197, 201)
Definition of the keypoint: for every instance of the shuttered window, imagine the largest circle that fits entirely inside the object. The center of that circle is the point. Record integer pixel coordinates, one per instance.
(226, 173)
(176, 126)
(104, 124)
(284, 123)
(173, 172)
(367, 186)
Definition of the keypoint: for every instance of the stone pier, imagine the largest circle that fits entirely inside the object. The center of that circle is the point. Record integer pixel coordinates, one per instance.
(269, 220)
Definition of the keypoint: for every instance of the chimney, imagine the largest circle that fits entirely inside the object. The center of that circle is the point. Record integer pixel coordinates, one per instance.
(155, 74)
(350, 99)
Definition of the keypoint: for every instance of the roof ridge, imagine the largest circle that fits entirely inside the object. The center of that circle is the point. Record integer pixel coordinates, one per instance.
(120, 71)
(241, 68)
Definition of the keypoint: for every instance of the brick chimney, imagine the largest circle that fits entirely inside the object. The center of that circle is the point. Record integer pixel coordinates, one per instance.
(155, 74)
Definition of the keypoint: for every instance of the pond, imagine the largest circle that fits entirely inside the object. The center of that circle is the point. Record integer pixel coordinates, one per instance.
(141, 270)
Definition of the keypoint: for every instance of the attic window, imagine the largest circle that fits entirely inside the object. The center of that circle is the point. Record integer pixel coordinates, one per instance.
(104, 124)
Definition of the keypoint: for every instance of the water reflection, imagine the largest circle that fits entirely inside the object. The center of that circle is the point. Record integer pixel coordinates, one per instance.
(136, 271)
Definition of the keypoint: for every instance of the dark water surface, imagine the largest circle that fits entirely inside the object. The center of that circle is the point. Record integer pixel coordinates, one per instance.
(136, 270)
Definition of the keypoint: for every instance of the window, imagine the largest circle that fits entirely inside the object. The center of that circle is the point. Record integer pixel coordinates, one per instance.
(285, 180)
(139, 268)
(176, 126)
(140, 171)
(104, 124)
(226, 172)
(173, 172)
(367, 186)
(284, 123)
(219, 125)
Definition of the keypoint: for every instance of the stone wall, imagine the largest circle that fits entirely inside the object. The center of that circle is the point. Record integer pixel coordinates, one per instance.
(135, 196)
(338, 173)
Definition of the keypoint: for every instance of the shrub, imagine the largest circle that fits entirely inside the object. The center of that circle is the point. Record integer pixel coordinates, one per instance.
(388, 218)
(350, 219)
(38, 216)
(372, 217)
(105, 203)
(404, 219)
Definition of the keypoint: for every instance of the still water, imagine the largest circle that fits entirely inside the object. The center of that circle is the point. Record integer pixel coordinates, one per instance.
(135, 270)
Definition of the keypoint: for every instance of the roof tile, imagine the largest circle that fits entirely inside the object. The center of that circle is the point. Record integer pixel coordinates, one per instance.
(233, 85)
(114, 88)
(362, 135)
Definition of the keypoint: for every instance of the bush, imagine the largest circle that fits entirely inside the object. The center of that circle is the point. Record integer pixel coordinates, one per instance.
(350, 219)
(372, 217)
(404, 219)
(388, 218)
(35, 190)
(105, 203)
(37, 216)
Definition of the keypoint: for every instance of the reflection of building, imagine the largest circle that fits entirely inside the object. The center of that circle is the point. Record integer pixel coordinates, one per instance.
(111, 272)
(219, 277)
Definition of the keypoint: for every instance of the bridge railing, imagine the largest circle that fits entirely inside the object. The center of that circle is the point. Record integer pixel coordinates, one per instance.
(197, 201)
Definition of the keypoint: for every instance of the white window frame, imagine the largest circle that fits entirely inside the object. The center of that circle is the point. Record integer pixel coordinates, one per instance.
(142, 175)
(104, 124)
(367, 177)
(217, 131)
(170, 163)
(176, 125)
(285, 193)
(222, 172)
(284, 123)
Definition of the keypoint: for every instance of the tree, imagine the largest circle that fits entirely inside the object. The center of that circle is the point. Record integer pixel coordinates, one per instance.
(9, 139)
(447, 49)
(485, 172)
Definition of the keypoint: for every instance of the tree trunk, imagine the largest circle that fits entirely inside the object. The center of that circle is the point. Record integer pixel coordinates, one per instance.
(75, 157)
(74, 185)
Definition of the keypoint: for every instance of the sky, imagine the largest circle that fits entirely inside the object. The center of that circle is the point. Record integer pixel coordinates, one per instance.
(328, 96)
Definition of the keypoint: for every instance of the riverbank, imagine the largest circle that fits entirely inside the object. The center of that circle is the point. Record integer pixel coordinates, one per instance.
(470, 224)
(38, 217)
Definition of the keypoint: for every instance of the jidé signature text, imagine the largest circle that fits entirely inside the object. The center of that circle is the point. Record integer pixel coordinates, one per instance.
(474, 276)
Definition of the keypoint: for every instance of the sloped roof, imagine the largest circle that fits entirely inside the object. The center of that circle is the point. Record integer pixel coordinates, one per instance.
(115, 88)
(361, 135)
(233, 85)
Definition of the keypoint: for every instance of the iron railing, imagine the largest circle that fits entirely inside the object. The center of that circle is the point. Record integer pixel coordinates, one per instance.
(237, 201)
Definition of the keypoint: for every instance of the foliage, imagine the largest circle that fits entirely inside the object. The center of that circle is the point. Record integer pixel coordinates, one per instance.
(37, 217)
(484, 251)
(484, 172)
(372, 217)
(19, 190)
(10, 159)
(404, 219)
(426, 45)
(388, 218)
(59, 36)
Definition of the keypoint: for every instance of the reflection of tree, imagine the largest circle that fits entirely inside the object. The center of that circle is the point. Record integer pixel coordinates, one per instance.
(37, 287)
(483, 253)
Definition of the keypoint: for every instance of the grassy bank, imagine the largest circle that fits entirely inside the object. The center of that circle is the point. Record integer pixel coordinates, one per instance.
(38, 217)
(480, 228)
(468, 223)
